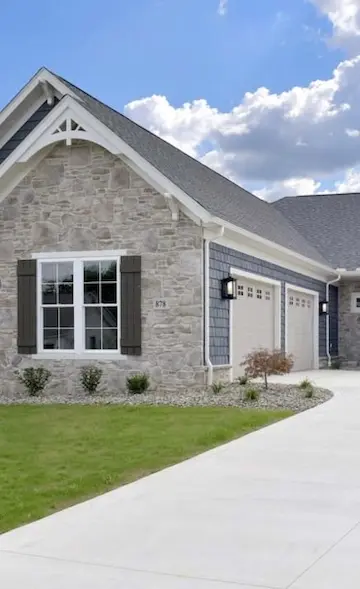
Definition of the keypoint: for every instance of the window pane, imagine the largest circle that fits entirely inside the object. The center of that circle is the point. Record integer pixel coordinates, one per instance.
(93, 339)
(67, 317)
(50, 339)
(66, 339)
(48, 272)
(91, 271)
(65, 294)
(91, 293)
(110, 339)
(50, 317)
(49, 294)
(65, 272)
(92, 316)
(108, 292)
(108, 271)
(109, 316)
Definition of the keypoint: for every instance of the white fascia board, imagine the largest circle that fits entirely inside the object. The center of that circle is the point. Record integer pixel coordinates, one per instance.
(43, 75)
(248, 243)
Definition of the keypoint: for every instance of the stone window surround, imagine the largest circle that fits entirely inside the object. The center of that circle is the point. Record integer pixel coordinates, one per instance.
(354, 298)
(78, 353)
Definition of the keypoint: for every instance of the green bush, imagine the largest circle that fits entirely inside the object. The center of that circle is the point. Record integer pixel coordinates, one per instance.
(137, 384)
(34, 379)
(336, 364)
(309, 392)
(242, 380)
(90, 378)
(305, 384)
(217, 387)
(251, 394)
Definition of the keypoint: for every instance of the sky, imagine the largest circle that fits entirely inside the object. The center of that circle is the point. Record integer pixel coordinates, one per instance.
(266, 92)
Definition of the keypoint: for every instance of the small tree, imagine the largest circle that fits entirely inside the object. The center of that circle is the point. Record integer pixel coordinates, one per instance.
(263, 363)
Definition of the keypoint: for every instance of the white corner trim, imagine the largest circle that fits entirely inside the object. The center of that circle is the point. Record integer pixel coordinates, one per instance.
(237, 272)
(88, 255)
(315, 294)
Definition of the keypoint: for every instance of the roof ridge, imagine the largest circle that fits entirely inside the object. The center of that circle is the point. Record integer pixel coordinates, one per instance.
(160, 138)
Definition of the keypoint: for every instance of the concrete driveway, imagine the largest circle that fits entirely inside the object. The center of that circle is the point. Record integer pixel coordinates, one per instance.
(279, 508)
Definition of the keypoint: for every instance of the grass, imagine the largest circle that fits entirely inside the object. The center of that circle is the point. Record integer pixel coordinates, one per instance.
(54, 456)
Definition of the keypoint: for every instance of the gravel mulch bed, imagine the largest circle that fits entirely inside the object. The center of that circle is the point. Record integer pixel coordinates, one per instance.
(278, 396)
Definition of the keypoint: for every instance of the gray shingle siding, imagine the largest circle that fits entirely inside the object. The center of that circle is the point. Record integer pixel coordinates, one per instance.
(221, 260)
(25, 130)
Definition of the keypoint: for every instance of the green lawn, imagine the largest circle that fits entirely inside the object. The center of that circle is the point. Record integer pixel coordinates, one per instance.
(54, 456)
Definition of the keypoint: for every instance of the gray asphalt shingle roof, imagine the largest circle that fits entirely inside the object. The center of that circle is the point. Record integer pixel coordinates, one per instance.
(331, 222)
(216, 194)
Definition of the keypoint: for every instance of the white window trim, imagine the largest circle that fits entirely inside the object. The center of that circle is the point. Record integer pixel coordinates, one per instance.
(315, 294)
(79, 353)
(354, 309)
(237, 273)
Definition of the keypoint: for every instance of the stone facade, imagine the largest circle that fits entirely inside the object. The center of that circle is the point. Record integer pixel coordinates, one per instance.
(349, 324)
(83, 198)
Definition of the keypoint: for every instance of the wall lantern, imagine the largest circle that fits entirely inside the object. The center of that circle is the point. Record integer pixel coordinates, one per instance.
(324, 308)
(228, 288)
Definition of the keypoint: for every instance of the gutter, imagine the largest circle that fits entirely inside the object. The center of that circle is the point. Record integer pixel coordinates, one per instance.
(327, 320)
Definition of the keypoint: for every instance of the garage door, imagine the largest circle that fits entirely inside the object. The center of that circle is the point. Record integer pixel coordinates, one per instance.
(300, 329)
(253, 320)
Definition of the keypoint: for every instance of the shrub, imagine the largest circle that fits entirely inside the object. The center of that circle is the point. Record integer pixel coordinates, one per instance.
(251, 394)
(217, 387)
(305, 384)
(263, 363)
(242, 380)
(90, 378)
(34, 379)
(336, 364)
(309, 392)
(137, 384)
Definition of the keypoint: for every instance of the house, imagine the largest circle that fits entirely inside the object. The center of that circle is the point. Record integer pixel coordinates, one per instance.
(118, 249)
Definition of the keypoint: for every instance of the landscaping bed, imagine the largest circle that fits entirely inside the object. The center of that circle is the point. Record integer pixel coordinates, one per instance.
(277, 396)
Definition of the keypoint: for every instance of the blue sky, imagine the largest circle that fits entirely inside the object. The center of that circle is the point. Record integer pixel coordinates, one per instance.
(183, 50)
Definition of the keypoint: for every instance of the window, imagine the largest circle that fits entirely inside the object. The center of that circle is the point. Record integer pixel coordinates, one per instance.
(250, 292)
(79, 305)
(291, 301)
(240, 290)
(259, 293)
(267, 295)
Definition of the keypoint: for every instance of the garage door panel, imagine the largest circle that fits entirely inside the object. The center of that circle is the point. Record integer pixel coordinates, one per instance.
(300, 328)
(253, 320)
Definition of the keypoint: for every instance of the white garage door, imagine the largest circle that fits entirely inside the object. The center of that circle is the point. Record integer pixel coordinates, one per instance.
(253, 320)
(300, 329)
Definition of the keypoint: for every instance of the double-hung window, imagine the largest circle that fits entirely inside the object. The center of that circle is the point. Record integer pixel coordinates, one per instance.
(79, 304)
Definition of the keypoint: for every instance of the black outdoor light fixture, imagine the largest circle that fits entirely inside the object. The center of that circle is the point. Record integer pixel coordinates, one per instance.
(228, 288)
(324, 308)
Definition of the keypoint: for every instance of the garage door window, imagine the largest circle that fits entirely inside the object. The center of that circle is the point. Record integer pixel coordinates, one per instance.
(240, 290)
(250, 292)
(267, 295)
(355, 302)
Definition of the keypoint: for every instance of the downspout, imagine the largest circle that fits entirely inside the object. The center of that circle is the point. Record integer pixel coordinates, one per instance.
(211, 231)
(327, 319)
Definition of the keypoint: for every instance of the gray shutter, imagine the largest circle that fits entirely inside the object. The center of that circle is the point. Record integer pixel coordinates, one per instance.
(131, 305)
(26, 301)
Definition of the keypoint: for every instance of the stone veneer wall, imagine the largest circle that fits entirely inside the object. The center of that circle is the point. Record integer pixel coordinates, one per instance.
(349, 324)
(83, 198)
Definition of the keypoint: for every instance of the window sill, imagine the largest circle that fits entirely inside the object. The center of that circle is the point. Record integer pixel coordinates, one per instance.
(72, 356)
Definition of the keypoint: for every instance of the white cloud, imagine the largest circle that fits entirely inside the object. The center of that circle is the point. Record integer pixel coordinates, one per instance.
(287, 142)
(344, 16)
(223, 7)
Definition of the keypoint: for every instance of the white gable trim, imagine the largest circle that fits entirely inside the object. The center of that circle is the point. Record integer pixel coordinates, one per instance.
(43, 76)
